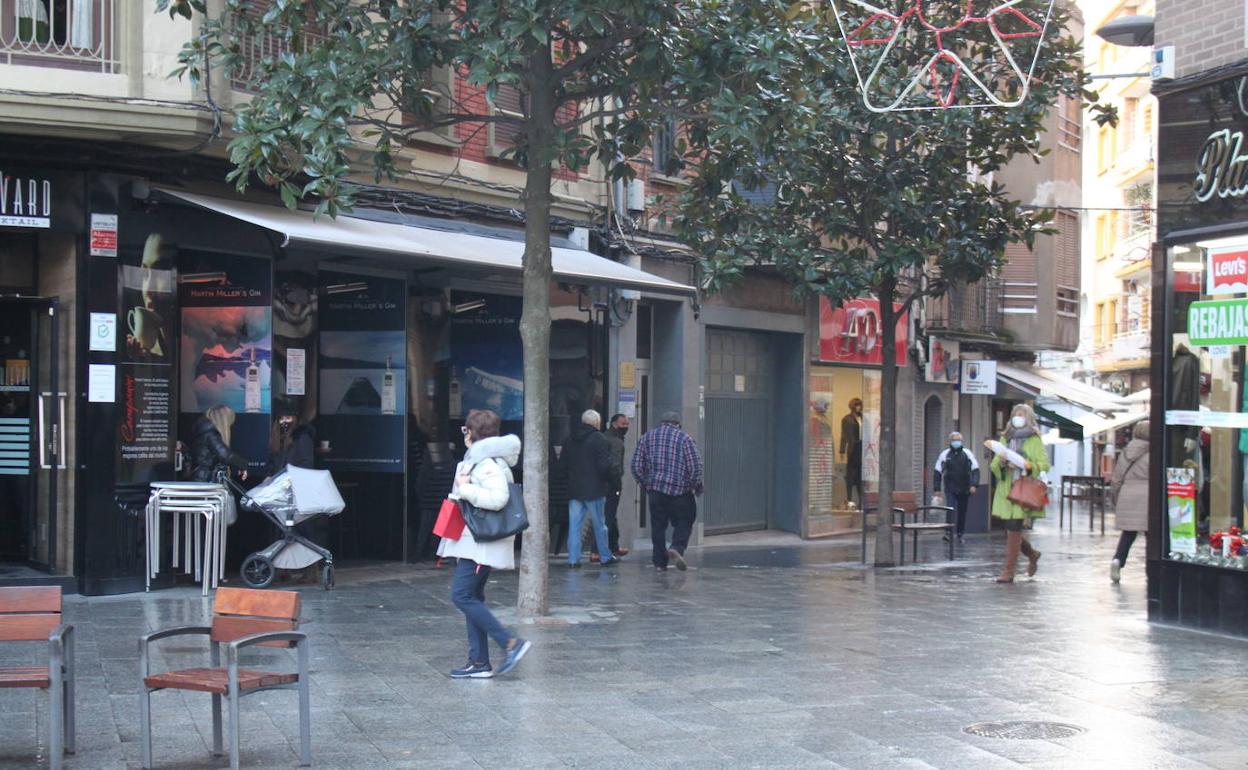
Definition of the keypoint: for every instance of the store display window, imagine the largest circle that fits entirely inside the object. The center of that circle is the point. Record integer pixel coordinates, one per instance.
(843, 440)
(1206, 418)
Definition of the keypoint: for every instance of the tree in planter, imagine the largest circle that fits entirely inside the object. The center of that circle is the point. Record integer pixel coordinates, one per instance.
(350, 87)
(898, 205)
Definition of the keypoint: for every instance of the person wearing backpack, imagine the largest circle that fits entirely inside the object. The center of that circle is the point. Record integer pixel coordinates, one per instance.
(958, 470)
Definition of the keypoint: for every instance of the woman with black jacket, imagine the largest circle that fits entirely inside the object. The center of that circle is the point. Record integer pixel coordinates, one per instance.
(210, 445)
(292, 442)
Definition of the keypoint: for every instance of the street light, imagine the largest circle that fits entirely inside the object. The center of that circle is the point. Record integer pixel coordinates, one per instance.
(1133, 31)
(1130, 31)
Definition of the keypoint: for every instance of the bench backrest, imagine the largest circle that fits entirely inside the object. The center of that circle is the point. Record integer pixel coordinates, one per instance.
(29, 614)
(900, 499)
(238, 612)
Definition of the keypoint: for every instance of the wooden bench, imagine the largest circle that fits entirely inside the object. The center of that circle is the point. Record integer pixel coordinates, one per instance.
(34, 615)
(921, 522)
(242, 617)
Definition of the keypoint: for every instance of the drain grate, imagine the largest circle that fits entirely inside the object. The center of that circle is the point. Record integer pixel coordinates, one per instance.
(1024, 731)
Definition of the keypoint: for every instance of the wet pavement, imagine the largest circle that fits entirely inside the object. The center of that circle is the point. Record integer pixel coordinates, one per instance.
(768, 656)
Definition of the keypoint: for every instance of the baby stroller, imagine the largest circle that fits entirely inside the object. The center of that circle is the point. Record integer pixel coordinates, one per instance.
(290, 498)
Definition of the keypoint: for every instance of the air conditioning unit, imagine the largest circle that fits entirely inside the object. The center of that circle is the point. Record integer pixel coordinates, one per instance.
(636, 195)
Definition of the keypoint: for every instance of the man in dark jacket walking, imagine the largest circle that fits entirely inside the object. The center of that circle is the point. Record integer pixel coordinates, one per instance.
(957, 468)
(587, 458)
(617, 428)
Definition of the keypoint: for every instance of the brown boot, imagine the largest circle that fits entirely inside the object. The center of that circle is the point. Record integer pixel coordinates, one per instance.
(1033, 557)
(1013, 543)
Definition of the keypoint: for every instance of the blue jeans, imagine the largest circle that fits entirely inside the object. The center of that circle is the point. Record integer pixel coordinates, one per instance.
(576, 520)
(468, 594)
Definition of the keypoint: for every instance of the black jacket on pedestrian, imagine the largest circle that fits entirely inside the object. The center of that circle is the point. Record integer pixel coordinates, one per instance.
(587, 458)
(615, 443)
(300, 453)
(210, 452)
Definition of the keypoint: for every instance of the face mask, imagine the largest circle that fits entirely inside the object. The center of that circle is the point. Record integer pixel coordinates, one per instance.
(1018, 421)
(955, 444)
(620, 431)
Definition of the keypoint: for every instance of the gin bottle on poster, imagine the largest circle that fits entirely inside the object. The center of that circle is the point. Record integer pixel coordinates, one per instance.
(252, 392)
(457, 398)
(388, 398)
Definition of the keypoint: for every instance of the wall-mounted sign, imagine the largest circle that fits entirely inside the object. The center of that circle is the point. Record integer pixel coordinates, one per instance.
(104, 332)
(943, 361)
(1218, 322)
(103, 235)
(628, 374)
(1227, 270)
(1222, 166)
(852, 334)
(979, 378)
(25, 201)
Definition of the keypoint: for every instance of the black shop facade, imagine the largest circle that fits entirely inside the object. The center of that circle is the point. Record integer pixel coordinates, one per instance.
(379, 331)
(1197, 554)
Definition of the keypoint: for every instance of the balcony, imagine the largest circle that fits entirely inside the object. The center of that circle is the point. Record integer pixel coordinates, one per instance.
(64, 34)
(973, 309)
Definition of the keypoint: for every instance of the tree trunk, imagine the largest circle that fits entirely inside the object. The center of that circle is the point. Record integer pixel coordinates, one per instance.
(535, 336)
(888, 424)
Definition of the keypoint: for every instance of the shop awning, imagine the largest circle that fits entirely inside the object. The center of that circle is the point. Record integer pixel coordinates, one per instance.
(1044, 383)
(429, 245)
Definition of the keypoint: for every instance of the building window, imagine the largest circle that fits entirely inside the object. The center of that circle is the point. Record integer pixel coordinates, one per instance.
(508, 100)
(435, 95)
(665, 154)
(1106, 148)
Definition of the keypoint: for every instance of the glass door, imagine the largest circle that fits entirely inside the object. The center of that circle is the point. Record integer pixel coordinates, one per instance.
(32, 417)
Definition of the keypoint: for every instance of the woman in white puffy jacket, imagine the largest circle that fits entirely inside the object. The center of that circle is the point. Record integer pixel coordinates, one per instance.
(482, 479)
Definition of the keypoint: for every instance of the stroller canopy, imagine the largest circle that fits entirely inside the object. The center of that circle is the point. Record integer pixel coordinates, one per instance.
(296, 494)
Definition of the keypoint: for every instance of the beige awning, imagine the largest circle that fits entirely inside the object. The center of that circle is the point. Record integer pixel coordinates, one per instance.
(429, 245)
(1052, 385)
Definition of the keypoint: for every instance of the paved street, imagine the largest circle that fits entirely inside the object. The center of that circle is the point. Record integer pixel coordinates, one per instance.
(775, 655)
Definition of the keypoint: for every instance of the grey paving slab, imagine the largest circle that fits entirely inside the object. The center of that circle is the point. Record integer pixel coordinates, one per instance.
(768, 656)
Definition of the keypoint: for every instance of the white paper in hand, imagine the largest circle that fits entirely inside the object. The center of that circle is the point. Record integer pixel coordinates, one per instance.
(1009, 455)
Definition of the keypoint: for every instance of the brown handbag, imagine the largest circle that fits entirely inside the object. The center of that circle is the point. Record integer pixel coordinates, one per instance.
(1029, 492)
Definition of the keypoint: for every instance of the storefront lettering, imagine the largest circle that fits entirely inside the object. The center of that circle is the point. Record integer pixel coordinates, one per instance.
(127, 425)
(1222, 168)
(25, 202)
(1218, 322)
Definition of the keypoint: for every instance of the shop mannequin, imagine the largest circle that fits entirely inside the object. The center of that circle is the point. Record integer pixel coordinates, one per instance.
(851, 449)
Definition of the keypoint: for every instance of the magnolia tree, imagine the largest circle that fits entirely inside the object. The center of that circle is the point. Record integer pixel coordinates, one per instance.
(350, 87)
(893, 204)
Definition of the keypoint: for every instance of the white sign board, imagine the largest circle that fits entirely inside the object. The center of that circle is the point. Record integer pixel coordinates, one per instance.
(104, 332)
(101, 383)
(296, 371)
(103, 235)
(979, 378)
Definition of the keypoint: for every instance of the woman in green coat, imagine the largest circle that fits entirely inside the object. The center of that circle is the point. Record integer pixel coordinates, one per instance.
(1022, 436)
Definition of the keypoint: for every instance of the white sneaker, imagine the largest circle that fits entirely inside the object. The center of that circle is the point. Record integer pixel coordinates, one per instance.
(1115, 570)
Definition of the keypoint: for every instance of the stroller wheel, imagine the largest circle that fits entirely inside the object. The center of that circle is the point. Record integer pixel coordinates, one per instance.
(257, 571)
(327, 576)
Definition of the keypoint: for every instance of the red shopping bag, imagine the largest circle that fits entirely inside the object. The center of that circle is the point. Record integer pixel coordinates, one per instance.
(450, 523)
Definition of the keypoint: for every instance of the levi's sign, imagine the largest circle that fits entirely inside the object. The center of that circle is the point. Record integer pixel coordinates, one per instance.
(1228, 270)
(1218, 322)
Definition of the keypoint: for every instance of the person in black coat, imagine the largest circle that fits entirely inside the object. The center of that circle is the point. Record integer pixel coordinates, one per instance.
(210, 445)
(291, 442)
(587, 458)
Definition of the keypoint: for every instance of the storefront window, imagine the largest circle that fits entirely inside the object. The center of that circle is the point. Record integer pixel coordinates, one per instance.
(843, 445)
(1206, 426)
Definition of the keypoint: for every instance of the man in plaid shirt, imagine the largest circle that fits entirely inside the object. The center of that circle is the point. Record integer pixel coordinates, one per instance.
(668, 466)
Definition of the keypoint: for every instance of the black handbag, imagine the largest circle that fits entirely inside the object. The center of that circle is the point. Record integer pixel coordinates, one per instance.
(487, 526)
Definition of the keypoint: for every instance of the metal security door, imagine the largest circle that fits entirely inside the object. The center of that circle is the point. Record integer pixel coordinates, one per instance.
(739, 443)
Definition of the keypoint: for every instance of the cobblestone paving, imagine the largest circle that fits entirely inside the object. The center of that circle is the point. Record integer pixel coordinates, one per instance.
(766, 656)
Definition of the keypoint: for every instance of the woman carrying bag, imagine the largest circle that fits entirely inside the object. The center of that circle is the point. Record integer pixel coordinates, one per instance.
(1129, 488)
(1020, 494)
(482, 480)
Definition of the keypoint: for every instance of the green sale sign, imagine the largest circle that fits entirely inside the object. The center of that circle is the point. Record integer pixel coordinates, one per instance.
(1218, 322)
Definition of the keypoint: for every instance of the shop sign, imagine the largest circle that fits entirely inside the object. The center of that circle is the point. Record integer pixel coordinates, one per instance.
(979, 378)
(1218, 322)
(103, 235)
(25, 201)
(1227, 270)
(1222, 167)
(1181, 509)
(943, 361)
(852, 333)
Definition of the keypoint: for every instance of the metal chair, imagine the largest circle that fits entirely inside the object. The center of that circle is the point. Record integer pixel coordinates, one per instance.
(924, 525)
(242, 617)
